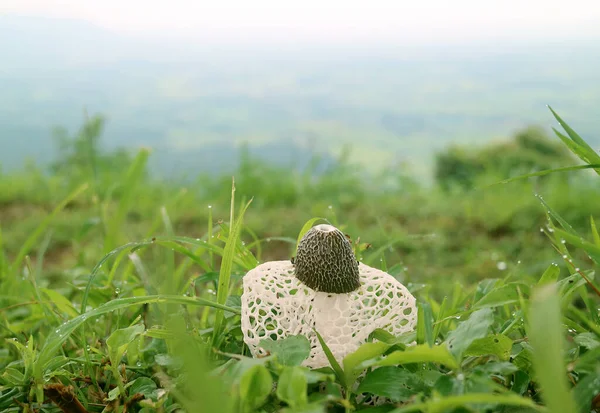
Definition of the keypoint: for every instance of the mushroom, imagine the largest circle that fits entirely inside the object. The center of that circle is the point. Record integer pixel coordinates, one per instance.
(324, 289)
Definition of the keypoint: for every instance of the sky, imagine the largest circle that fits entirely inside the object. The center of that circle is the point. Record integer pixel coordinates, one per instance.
(330, 20)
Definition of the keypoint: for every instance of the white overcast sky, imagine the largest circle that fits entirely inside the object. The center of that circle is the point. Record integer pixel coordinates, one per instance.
(331, 19)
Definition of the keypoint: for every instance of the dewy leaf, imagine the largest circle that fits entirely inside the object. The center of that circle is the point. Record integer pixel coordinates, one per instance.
(588, 154)
(587, 340)
(61, 302)
(550, 275)
(120, 339)
(587, 388)
(255, 387)
(292, 386)
(145, 386)
(417, 354)
(395, 383)
(545, 333)
(290, 351)
(497, 345)
(477, 326)
(352, 362)
(506, 294)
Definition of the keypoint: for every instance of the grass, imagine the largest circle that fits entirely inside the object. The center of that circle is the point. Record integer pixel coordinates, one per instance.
(125, 295)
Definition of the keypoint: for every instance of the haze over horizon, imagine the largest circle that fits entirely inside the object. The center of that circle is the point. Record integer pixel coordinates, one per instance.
(334, 21)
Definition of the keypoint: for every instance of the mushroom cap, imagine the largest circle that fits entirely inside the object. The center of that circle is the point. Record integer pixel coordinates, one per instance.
(325, 261)
(275, 304)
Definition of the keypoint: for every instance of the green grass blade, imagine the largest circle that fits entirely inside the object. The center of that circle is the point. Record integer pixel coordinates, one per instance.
(3, 260)
(589, 153)
(594, 231)
(61, 334)
(225, 270)
(452, 402)
(134, 174)
(557, 217)
(33, 238)
(543, 173)
(546, 336)
(337, 369)
(592, 249)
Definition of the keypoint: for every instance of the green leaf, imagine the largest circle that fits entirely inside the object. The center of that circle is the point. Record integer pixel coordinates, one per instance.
(352, 362)
(417, 354)
(306, 227)
(546, 337)
(448, 403)
(14, 377)
(292, 387)
(290, 351)
(550, 275)
(497, 345)
(477, 326)
(255, 387)
(61, 302)
(521, 382)
(587, 340)
(584, 392)
(145, 386)
(502, 368)
(506, 294)
(395, 383)
(119, 340)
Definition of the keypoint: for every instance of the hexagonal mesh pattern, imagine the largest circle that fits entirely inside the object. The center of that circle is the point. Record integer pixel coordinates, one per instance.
(275, 304)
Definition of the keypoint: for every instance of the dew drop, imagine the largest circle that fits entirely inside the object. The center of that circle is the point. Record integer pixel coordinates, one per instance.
(330, 207)
(501, 265)
(210, 206)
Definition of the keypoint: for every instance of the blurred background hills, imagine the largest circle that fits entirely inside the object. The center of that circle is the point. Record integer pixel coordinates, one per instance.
(197, 101)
